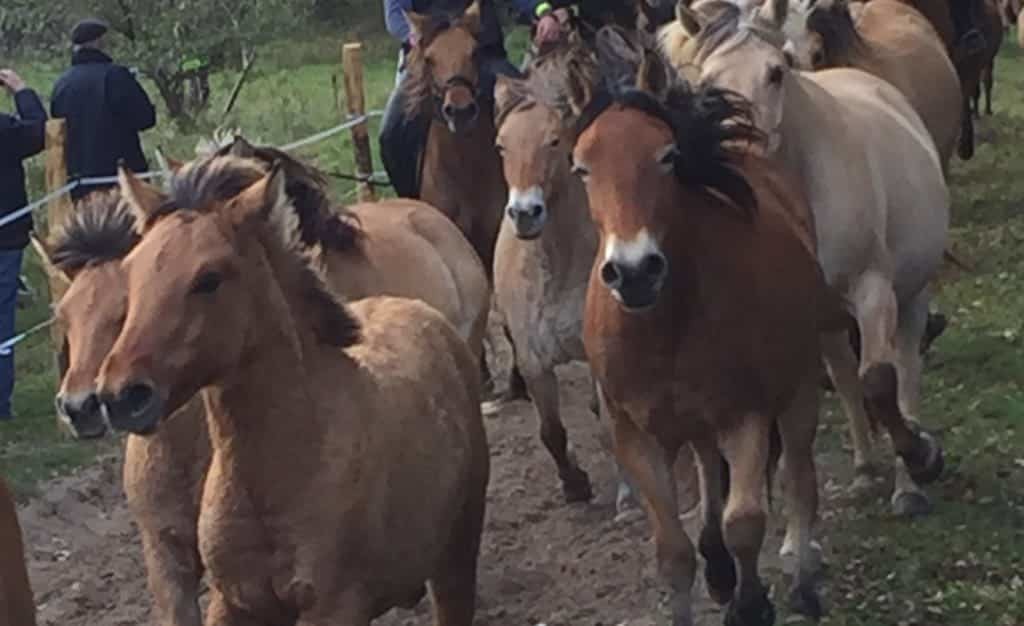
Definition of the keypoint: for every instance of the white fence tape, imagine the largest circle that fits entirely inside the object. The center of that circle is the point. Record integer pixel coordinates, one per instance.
(14, 216)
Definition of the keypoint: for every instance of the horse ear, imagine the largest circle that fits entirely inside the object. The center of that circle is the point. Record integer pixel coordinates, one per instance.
(167, 164)
(581, 89)
(143, 199)
(471, 17)
(46, 258)
(774, 12)
(688, 18)
(418, 24)
(504, 91)
(618, 54)
(241, 148)
(653, 76)
(267, 200)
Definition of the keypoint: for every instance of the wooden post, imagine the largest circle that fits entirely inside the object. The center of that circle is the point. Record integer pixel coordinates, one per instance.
(57, 211)
(355, 99)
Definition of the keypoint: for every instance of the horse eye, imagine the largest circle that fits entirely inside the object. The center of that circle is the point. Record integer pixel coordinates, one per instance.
(207, 283)
(775, 75)
(580, 171)
(554, 143)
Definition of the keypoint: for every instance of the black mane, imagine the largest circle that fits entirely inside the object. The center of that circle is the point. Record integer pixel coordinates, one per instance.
(712, 128)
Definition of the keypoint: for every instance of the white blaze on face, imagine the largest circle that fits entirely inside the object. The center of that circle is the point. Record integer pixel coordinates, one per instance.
(630, 252)
(525, 199)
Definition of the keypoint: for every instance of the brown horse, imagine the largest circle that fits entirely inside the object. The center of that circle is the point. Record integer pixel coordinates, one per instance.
(547, 245)
(890, 40)
(375, 405)
(970, 67)
(17, 607)
(460, 167)
(163, 475)
(993, 28)
(702, 324)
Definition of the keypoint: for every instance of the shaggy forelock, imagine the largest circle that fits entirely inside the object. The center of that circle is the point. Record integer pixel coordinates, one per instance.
(101, 228)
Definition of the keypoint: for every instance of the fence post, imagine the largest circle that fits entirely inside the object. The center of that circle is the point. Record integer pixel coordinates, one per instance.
(355, 100)
(57, 211)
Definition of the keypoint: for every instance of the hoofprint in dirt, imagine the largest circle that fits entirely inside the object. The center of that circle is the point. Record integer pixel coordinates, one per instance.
(542, 561)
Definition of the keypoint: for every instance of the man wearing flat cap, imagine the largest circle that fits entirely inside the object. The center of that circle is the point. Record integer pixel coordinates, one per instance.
(105, 108)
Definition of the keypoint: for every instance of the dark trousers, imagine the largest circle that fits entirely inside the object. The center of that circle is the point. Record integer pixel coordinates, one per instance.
(10, 270)
(403, 137)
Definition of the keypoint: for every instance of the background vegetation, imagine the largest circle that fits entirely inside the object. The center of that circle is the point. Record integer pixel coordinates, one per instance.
(963, 565)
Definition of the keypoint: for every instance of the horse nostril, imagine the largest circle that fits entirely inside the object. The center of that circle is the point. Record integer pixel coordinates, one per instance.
(536, 210)
(653, 266)
(137, 397)
(91, 406)
(610, 274)
(448, 110)
(472, 110)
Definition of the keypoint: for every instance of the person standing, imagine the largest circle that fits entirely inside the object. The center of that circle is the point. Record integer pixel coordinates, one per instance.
(21, 136)
(105, 107)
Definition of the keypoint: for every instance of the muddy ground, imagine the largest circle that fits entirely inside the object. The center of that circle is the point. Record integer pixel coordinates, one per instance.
(543, 562)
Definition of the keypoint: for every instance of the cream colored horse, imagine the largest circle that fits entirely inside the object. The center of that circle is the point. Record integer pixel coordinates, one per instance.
(880, 204)
(890, 40)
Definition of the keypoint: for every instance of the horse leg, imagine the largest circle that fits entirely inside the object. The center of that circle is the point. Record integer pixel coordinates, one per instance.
(745, 448)
(719, 568)
(798, 427)
(908, 498)
(173, 571)
(877, 312)
(966, 148)
(543, 388)
(842, 369)
(220, 613)
(650, 466)
(516, 389)
(989, 81)
(626, 507)
(453, 591)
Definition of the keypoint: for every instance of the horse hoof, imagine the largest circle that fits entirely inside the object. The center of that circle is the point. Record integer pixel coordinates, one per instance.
(755, 611)
(577, 489)
(806, 602)
(911, 504)
(491, 408)
(926, 468)
(628, 514)
(719, 567)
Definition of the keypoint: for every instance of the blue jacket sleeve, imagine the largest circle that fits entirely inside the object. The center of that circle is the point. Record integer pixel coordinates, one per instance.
(24, 135)
(129, 101)
(394, 18)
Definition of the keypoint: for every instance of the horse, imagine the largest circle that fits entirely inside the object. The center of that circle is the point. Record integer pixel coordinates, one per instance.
(163, 474)
(17, 606)
(546, 246)
(970, 67)
(874, 179)
(890, 40)
(444, 84)
(703, 316)
(375, 404)
(993, 28)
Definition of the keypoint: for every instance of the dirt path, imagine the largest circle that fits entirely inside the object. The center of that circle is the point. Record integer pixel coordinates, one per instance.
(543, 562)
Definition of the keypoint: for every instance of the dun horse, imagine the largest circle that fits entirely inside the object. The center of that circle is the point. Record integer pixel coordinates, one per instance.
(891, 41)
(164, 473)
(881, 211)
(17, 606)
(546, 246)
(374, 404)
(702, 321)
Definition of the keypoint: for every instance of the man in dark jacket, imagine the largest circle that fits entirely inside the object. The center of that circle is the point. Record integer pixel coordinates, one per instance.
(21, 136)
(105, 108)
(402, 139)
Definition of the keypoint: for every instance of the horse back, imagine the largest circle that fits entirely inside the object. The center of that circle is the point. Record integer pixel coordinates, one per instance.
(17, 607)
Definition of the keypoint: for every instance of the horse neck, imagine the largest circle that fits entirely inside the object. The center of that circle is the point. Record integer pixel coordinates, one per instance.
(570, 239)
(267, 409)
(468, 160)
(803, 119)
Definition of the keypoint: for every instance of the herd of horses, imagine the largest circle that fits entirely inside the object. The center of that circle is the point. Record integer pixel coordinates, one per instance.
(705, 206)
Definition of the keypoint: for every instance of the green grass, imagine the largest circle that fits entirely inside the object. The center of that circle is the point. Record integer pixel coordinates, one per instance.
(963, 565)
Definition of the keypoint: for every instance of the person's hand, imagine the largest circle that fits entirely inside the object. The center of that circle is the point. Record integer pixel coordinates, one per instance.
(549, 29)
(11, 81)
(414, 39)
(562, 15)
